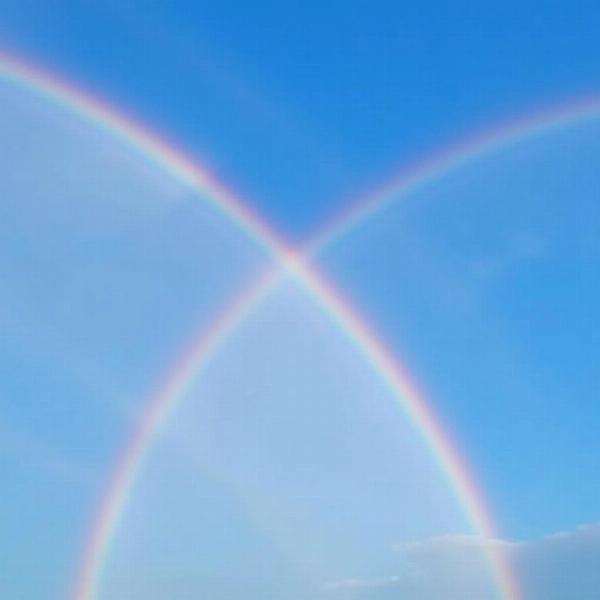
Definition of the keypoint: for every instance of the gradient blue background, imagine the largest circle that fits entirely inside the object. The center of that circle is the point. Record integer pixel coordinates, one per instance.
(485, 281)
(303, 105)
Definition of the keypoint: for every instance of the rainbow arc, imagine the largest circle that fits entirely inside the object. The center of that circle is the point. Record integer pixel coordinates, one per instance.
(287, 262)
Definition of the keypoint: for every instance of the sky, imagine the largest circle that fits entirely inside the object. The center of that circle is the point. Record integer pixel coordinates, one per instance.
(287, 468)
(304, 107)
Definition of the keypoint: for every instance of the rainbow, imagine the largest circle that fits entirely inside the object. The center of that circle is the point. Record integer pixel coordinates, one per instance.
(145, 143)
(475, 147)
(287, 263)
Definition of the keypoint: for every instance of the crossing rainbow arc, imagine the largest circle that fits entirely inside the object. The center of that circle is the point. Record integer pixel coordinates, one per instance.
(288, 263)
(475, 147)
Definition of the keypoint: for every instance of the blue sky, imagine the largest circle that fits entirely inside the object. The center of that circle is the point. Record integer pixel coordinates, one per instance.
(486, 280)
(304, 106)
(287, 469)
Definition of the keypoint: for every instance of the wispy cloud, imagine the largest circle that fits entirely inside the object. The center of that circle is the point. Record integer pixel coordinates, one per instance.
(561, 566)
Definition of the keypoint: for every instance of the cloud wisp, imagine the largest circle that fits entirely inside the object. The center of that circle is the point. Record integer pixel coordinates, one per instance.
(561, 566)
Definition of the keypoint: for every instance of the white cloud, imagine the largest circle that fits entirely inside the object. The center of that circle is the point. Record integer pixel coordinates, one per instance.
(563, 566)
